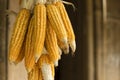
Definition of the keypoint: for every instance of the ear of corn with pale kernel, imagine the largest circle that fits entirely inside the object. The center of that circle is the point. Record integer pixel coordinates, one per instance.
(51, 43)
(56, 22)
(47, 71)
(29, 47)
(18, 34)
(68, 25)
(40, 29)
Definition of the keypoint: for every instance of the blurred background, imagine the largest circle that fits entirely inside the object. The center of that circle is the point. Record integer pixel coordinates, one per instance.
(96, 25)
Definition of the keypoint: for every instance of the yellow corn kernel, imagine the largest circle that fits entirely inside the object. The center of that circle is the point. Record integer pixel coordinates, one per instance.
(53, 70)
(29, 47)
(18, 34)
(44, 59)
(21, 55)
(40, 75)
(51, 43)
(34, 73)
(40, 29)
(56, 22)
(68, 25)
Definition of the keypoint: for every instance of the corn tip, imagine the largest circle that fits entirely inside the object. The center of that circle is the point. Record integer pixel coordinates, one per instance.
(36, 58)
(66, 51)
(65, 40)
(56, 63)
(28, 70)
(60, 51)
(44, 51)
(73, 46)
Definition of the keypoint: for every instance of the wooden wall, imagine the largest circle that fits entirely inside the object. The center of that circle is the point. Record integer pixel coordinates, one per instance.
(112, 37)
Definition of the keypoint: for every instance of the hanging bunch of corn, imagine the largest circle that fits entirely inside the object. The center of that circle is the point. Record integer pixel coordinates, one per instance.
(41, 32)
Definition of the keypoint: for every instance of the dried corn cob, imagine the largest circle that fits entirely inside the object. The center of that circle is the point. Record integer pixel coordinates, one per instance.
(51, 43)
(34, 73)
(68, 25)
(29, 47)
(56, 22)
(40, 28)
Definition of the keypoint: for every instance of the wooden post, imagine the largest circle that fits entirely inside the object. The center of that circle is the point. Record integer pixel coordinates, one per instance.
(90, 39)
(3, 40)
(98, 37)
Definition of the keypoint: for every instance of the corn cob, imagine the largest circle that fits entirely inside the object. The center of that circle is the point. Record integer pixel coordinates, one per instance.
(51, 43)
(29, 47)
(18, 34)
(21, 54)
(68, 25)
(56, 22)
(40, 29)
(34, 73)
(19, 30)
